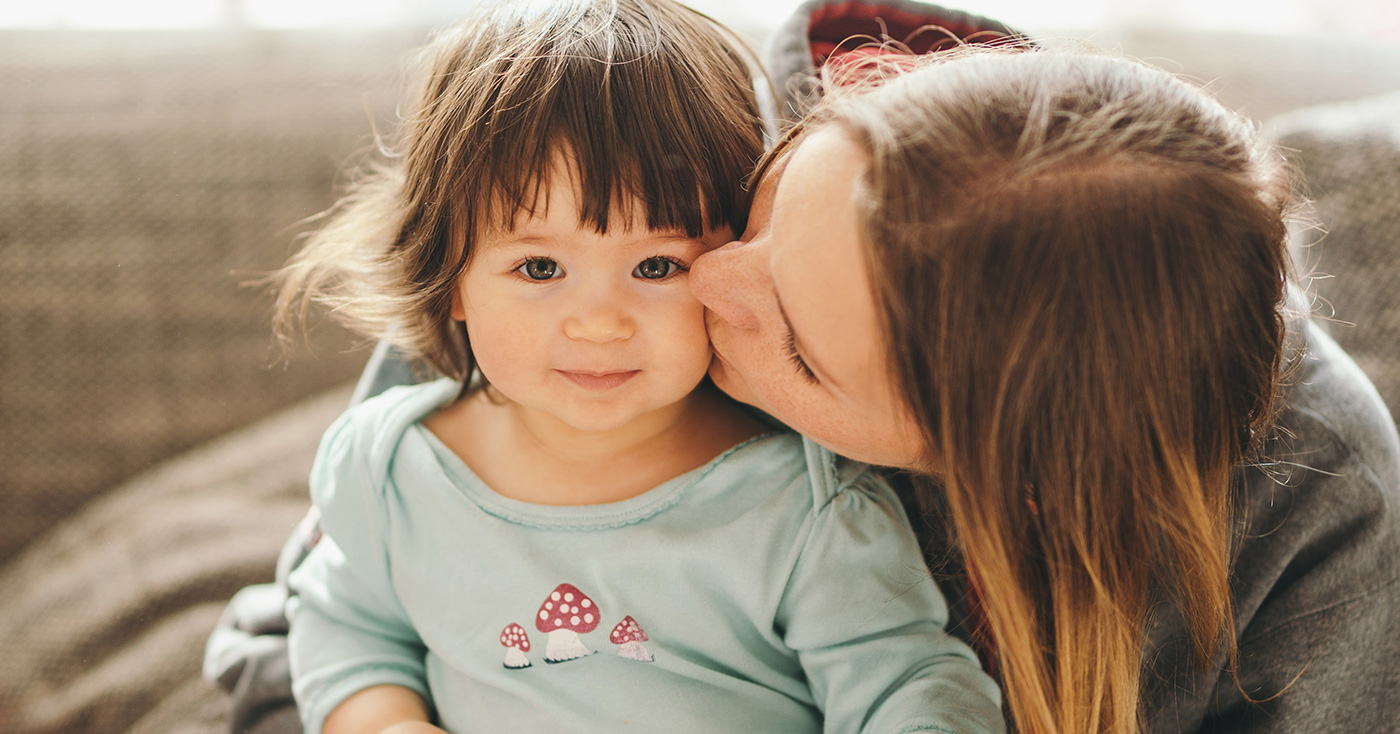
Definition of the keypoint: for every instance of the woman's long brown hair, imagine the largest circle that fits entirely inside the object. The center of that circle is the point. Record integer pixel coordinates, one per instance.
(1081, 264)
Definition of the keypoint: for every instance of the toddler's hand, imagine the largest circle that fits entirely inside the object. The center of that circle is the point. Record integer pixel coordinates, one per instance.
(385, 709)
(413, 727)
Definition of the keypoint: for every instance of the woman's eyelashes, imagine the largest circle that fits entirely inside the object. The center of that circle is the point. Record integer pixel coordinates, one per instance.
(655, 268)
(799, 364)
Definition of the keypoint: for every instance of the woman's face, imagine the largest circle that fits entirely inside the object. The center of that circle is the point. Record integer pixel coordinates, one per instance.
(791, 316)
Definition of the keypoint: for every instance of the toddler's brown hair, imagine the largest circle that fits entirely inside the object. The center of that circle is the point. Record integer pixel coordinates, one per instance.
(652, 102)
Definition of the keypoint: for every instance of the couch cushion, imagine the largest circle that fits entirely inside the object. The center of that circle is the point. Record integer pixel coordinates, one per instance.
(105, 618)
(143, 177)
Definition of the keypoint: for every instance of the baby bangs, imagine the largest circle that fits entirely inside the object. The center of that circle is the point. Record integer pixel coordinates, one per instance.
(651, 101)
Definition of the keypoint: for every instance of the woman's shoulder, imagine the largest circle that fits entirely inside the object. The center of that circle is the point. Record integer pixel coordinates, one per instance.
(1328, 394)
(1333, 460)
(1322, 510)
(1317, 569)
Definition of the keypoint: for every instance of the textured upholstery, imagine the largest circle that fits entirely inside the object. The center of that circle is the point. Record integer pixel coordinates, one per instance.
(143, 178)
(105, 617)
(1350, 156)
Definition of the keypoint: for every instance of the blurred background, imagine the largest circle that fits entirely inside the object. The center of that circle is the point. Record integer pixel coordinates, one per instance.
(157, 156)
(1375, 18)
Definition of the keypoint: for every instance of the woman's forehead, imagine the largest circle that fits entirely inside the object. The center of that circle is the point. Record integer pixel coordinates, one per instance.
(819, 172)
(819, 265)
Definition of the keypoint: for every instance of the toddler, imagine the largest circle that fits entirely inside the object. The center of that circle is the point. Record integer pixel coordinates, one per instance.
(571, 530)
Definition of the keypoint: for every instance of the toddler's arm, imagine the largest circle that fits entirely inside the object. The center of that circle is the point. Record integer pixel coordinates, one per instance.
(868, 622)
(349, 633)
(381, 710)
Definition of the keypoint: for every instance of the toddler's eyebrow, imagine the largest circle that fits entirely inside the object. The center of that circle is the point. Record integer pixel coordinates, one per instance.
(514, 243)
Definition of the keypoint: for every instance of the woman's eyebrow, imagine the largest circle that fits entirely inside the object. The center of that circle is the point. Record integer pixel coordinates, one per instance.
(807, 355)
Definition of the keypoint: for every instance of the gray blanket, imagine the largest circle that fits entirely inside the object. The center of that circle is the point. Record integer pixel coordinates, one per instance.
(104, 622)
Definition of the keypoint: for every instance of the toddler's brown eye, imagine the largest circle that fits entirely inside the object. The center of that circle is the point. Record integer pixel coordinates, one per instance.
(540, 268)
(655, 268)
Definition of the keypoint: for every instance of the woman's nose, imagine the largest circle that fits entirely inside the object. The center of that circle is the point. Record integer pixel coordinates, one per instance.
(728, 280)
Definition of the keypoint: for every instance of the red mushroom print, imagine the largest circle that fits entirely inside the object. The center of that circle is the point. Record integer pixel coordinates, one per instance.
(517, 643)
(630, 636)
(564, 615)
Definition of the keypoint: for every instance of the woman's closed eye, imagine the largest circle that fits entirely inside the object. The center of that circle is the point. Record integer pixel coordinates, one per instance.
(540, 268)
(798, 363)
(659, 267)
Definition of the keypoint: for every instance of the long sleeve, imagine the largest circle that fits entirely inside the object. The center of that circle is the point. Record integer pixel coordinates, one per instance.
(868, 622)
(348, 631)
(1316, 585)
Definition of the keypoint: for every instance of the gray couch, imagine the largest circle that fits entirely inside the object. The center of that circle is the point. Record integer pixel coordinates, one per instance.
(155, 446)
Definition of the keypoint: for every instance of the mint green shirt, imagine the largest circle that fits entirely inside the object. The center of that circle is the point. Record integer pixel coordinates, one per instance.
(775, 589)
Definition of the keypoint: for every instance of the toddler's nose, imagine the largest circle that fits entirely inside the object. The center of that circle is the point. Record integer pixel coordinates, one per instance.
(726, 280)
(600, 322)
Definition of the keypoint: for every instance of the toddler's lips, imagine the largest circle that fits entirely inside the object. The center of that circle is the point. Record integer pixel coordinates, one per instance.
(599, 381)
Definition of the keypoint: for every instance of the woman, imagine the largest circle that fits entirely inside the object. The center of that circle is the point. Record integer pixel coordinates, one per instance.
(1052, 290)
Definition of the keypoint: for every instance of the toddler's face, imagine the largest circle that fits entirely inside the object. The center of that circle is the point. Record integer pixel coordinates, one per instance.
(593, 330)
